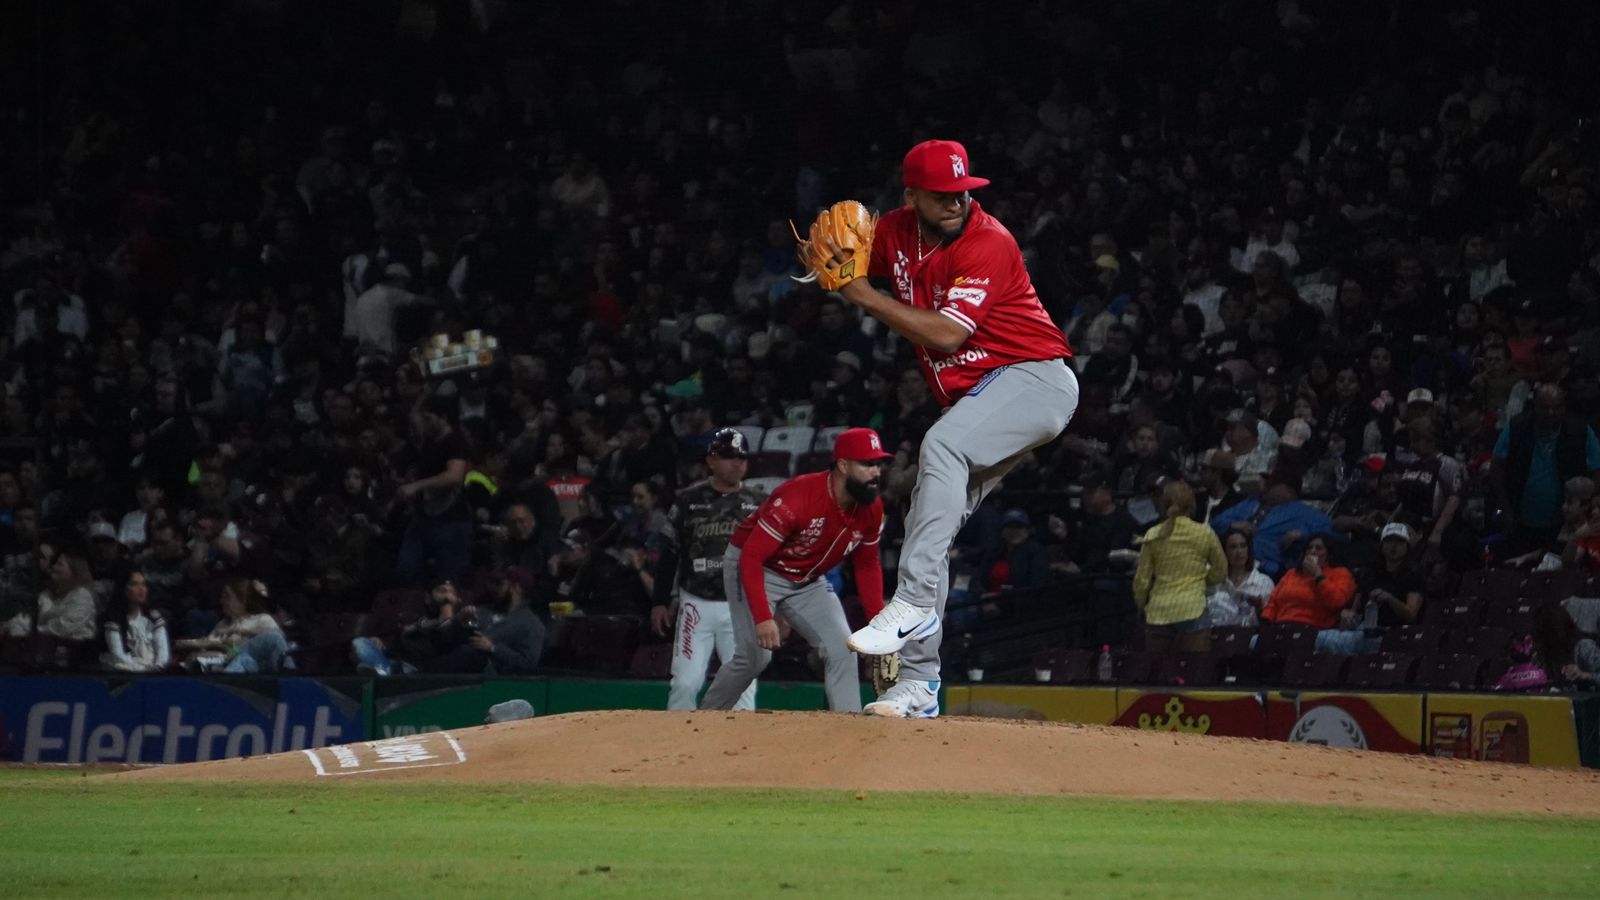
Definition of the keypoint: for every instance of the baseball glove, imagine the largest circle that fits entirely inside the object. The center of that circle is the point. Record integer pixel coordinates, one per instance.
(885, 671)
(838, 247)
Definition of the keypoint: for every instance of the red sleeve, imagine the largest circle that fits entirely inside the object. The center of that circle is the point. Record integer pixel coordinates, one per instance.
(753, 556)
(869, 578)
(982, 273)
(881, 265)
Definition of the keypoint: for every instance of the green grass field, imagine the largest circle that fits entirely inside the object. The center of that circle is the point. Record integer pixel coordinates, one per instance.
(71, 836)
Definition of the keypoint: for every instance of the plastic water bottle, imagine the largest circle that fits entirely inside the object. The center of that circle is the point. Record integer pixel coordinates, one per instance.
(1105, 670)
(1369, 619)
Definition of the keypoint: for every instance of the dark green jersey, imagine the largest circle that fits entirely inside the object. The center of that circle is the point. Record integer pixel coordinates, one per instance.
(702, 520)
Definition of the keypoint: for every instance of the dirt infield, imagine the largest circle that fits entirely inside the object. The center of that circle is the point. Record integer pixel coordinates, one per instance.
(818, 750)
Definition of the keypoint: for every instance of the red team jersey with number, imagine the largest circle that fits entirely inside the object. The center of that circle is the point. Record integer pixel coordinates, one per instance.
(979, 282)
(813, 533)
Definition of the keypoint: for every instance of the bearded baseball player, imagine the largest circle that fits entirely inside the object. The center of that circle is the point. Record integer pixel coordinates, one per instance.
(776, 560)
(689, 573)
(989, 351)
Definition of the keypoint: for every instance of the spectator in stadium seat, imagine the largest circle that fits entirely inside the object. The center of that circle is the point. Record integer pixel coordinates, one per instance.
(64, 626)
(1313, 592)
(1180, 562)
(1019, 562)
(502, 637)
(1217, 479)
(1576, 495)
(1143, 462)
(1237, 600)
(1278, 520)
(1583, 547)
(1534, 456)
(1253, 443)
(418, 640)
(248, 639)
(1106, 527)
(1389, 595)
(136, 636)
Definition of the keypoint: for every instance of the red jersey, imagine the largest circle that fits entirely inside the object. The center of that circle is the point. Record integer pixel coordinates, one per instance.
(980, 283)
(813, 533)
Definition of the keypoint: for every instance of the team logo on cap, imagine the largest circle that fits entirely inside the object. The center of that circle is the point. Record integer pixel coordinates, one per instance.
(958, 166)
(873, 438)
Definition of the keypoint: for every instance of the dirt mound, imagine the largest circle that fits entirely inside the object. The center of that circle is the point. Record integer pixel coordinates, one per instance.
(819, 750)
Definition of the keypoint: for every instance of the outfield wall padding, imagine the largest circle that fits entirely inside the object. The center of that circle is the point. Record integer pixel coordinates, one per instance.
(115, 719)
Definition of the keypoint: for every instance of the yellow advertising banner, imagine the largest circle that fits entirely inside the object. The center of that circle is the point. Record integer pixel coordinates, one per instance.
(1388, 722)
(1226, 713)
(1502, 728)
(1087, 705)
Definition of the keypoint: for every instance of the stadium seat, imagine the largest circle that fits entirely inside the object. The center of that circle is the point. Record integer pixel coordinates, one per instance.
(1134, 668)
(823, 442)
(752, 435)
(1230, 650)
(814, 461)
(606, 643)
(1492, 584)
(1462, 613)
(799, 414)
(1068, 666)
(1448, 672)
(770, 464)
(790, 439)
(1277, 643)
(1188, 669)
(652, 660)
(1481, 641)
(327, 645)
(1493, 670)
(1557, 585)
(1314, 670)
(1384, 670)
(765, 484)
(1515, 616)
(392, 611)
(1414, 640)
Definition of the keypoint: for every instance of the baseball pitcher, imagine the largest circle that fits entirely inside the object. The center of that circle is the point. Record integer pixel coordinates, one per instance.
(992, 355)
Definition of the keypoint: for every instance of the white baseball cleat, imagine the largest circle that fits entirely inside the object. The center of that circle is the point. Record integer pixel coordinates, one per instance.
(889, 630)
(907, 700)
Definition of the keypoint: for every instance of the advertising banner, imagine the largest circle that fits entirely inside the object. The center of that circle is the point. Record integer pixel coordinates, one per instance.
(407, 706)
(1226, 713)
(1502, 728)
(1387, 722)
(168, 720)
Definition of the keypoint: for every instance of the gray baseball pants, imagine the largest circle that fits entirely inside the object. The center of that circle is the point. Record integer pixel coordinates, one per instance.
(813, 611)
(1013, 411)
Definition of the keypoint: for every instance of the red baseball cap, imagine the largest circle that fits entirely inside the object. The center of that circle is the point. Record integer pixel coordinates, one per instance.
(859, 445)
(939, 166)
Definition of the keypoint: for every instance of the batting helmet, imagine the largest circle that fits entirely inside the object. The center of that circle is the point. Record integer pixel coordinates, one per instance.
(729, 443)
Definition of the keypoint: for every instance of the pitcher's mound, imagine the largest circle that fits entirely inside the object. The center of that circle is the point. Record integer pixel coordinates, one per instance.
(821, 750)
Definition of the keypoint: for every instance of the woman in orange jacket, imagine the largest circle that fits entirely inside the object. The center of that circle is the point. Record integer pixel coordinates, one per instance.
(1313, 592)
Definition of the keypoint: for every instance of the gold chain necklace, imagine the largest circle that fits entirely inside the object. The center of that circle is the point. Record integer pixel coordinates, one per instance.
(920, 255)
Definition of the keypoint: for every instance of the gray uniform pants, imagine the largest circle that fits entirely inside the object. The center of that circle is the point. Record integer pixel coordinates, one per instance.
(812, 610)
(964, 455)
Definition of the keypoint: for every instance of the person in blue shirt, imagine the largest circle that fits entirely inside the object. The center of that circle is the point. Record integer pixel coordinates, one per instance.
(1534, 456)
(1278, 521)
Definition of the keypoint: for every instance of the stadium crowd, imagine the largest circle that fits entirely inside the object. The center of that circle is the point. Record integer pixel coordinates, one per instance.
(1335, 266)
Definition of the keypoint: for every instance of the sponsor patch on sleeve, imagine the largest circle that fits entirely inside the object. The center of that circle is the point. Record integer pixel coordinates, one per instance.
(972, 295)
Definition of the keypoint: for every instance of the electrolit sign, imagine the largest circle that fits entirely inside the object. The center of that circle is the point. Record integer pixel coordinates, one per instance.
(168, 720)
